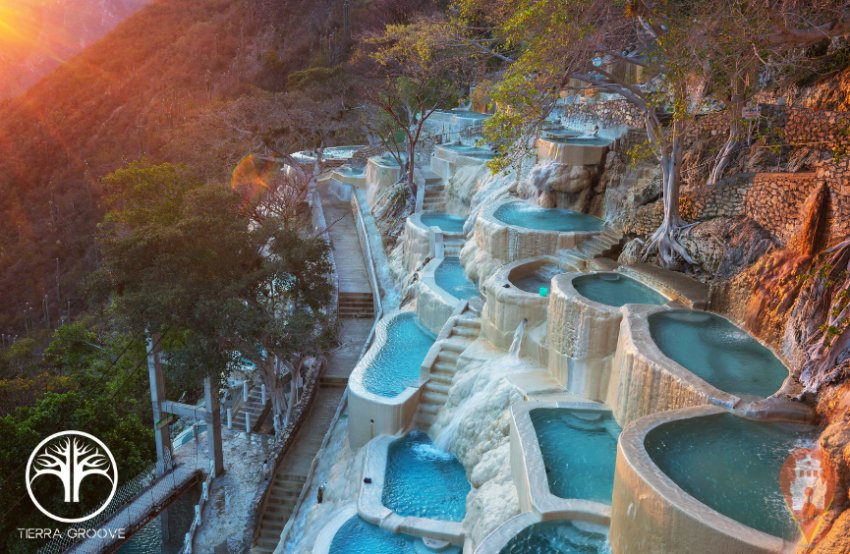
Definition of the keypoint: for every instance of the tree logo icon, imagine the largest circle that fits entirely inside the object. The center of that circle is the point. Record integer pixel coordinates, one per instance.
(72, 457)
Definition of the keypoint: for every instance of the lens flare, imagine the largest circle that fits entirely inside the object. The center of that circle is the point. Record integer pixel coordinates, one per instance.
(252, 177)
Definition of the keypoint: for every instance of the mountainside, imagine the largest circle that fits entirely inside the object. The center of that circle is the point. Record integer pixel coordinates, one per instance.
(39, 35)
(201, 82)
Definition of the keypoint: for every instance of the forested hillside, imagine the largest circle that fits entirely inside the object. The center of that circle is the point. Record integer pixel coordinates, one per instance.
(199, 82)
(36, 36)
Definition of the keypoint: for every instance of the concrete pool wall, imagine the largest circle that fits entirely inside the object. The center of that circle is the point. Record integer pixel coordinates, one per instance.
(447, 159)
(650, 514)
(500, 537)
(583, 336)
(382, 172)
(420, 241)
(573, 150)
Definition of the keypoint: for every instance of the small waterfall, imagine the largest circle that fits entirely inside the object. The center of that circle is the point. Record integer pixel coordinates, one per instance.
(516, 344)
(481, 398)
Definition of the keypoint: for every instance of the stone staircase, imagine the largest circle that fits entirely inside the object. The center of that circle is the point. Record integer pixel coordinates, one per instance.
(464, 330)
(435, 198)
(600, 245)
(356, 305)
(281, 502)
(452, 246)
(254, 407)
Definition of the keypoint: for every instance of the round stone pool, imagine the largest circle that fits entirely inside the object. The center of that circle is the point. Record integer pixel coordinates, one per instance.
(445, 222)
(732, 465)
(559, 537)
(451, 277)
(717, 351)
(535, 280)
(523, 214)
(616, 289)
(355, 536)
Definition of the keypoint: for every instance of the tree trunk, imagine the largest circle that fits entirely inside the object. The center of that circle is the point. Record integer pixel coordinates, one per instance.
(724, 157)
(270, 375)
(410, 170)
(665, 239)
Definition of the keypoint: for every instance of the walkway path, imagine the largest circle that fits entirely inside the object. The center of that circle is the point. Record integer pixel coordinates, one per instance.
(356, 317)
(141, 510)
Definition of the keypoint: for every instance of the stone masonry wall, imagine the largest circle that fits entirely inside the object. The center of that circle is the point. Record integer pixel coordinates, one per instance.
(818, 128)
(611, 112)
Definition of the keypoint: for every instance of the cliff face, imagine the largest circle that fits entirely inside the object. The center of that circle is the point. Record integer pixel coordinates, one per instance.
(40, 35)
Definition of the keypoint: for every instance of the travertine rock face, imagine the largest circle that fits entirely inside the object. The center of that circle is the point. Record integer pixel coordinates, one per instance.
(557, 185)
(726, 246)
(475, 425)
(627, 188)
(582, 339)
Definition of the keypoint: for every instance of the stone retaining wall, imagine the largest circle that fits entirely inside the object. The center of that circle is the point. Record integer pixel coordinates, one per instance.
(824, 128)
(612, 112)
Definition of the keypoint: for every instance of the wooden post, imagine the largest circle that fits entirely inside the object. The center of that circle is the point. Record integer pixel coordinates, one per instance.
(214, 427)
(160, 426)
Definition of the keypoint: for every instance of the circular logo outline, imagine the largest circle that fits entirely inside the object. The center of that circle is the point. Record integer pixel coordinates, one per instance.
(37, 451)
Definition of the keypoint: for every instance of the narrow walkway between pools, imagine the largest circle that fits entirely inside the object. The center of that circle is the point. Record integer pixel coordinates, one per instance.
(356, 314)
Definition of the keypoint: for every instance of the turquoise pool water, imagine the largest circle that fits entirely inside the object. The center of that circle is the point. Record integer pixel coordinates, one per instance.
(424, 481)
(523, 214)
(732, 465)
(579, 450)
(470, 151)
(539, 278)
(451, 277)
(445, 222)
(558, 537)
(358, 537)
(396, 365)
(717, 351)
(351, 171)
(616, 289)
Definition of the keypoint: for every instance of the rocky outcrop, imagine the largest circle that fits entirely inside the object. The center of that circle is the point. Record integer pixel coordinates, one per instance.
(725, 246)
(557, 185)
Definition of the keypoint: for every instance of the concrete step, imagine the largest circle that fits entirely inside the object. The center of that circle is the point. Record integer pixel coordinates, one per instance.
(469, 322)
(443, 378)
(465, 332)
(432, 399)
(429, 408)
(423, 421)
(454, 345)
(446, 359)
(437, 387)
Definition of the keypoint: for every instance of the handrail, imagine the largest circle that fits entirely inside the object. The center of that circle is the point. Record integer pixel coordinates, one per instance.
(321, 222)
(369, 257)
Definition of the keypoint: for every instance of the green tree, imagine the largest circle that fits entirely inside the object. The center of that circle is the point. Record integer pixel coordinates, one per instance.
(422, 69)
(218, 273)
